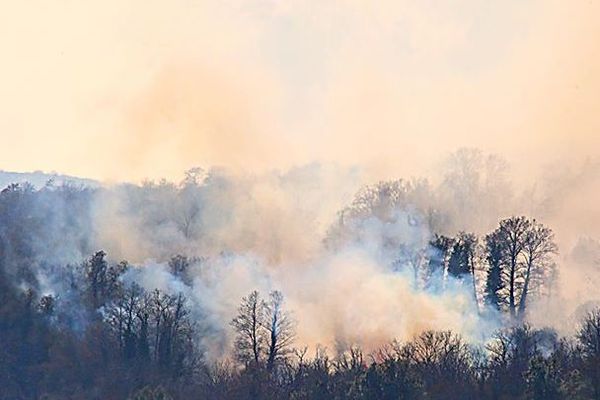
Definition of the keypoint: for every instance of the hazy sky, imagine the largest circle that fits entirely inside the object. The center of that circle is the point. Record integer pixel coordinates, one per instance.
(123, 90)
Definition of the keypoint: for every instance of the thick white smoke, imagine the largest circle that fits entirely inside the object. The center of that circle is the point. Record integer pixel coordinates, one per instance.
(344, 258)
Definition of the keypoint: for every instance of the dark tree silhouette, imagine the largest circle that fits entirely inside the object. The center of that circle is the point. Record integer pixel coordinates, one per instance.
(280, 328)
(76, 328)
(462, 261)
(512, 232)
(538, 249)
(248, 324)
(519, 255)
(494, 284)
(264, 330)
(588, 338)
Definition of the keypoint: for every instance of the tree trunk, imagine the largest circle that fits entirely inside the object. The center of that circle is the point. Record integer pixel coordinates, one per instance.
(525, 291)
(511, 295)
(475, 290)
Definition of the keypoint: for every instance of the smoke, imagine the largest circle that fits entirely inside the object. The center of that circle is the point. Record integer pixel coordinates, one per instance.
(351, 297)
(275, 216)
(342, 249)
(302, 103)
(150, 90)
(567, 197)
(354, 283)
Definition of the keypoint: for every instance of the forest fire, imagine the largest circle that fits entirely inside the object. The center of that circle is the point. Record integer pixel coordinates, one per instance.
(300, 199)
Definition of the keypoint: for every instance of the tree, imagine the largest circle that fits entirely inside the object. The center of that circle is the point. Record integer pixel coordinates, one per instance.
(392, 377)
(95, 273)
(190, 201)
(143, 338)
(172, 330)
(122, 316)
(439, 248)
(280, 327)
(588, 338)
(538, 247)
(513, 231)
(264, 330)
(494, 284)
(248, 324)
(179, 266)
(510, 354)
(386, 202)
(519, 255)
(101, 280)
(442, 360)
(152, 328)
(462, 261)
(543, 379)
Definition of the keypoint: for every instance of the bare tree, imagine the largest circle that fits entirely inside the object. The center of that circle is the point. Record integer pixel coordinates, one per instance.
(265, 331)
(130, 316)
(538, 248)
(280, 327)
(122, 316)
(441, 359)
(512, 233)
(248, 324)
(519, 255)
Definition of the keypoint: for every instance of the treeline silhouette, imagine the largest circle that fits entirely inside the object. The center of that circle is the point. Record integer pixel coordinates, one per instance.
(141, 345)
(101, 336)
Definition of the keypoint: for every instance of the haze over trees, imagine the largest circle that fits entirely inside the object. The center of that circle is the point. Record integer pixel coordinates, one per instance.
(212, 312)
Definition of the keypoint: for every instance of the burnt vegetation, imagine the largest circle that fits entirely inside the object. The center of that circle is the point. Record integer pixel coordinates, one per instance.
(99, 334)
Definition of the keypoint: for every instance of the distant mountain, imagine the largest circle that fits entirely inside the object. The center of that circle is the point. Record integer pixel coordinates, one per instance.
(39, 179)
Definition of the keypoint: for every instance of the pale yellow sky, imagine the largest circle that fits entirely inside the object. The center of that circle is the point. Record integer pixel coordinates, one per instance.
(123, 90)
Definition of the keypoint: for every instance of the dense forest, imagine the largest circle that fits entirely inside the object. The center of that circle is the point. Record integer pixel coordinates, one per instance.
(226, 288)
